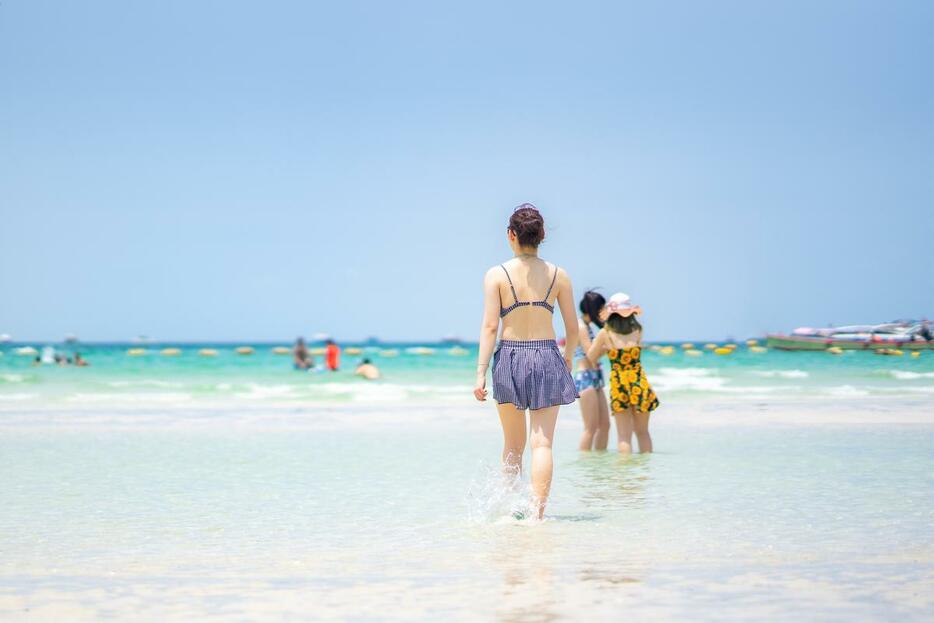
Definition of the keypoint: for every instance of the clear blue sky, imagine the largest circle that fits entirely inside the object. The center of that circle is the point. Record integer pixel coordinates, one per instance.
(260, 170)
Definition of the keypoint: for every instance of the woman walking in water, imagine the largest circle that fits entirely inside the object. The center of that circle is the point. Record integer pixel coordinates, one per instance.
(529, 372)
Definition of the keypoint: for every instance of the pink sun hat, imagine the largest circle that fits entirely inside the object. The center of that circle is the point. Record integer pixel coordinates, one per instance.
(621, 304)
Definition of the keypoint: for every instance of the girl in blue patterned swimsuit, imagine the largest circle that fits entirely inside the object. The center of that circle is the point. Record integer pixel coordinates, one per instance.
(589, 378)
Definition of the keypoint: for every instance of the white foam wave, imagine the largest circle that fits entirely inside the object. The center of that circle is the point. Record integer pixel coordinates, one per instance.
(673, 379)
(259, 392)
(846, 391)
(906, 375)
(145, 383)
(137, 399)
(13, 378)
(782, 374)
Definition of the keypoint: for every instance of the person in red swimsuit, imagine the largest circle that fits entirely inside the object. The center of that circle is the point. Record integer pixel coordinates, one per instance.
(332, 356)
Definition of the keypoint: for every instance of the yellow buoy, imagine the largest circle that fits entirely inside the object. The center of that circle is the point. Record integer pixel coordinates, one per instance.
(170, 352)
(889, 351)
(752, 342)
(687, 346)
(136, 352)
(389, 352)
(916, 353)
(691, 352)
(281, 350)
(353, 350)
(244, 350)
(758, 349)
(666, 350)
(835, 350)
(207, 352)
(723, 350)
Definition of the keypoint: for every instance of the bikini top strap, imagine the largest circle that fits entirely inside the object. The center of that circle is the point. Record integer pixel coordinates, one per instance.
(515, 299)
(553, 279)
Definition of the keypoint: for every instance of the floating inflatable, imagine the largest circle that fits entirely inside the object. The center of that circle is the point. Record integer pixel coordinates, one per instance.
(666, 350)
(281, 350)
(317, 351)
(752, 342)
(710, 346)
(889, 351)
(207, 352)
(171, 352)
(835, 350)
(693, 352)
(353, 350)
(420, 350)
(389, 352)
(136, 352)
(457, 351)
(758, 349)
(687, 346)
(26, 350)
(723, 350)
(915, 354)
(244, 350)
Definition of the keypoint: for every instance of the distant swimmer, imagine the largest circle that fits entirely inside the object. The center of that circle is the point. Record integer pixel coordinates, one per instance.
(80, 361)
(367, 370)
(332, 355)
(37, 361)
(301, 358)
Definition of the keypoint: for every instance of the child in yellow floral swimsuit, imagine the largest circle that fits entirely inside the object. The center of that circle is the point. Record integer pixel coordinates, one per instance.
(631, 396)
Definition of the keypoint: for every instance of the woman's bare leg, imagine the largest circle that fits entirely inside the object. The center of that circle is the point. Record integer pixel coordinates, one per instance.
(641, 425)
(590, 413)
(624, 426)
(603, 423)
(513, 421)
(541, 439)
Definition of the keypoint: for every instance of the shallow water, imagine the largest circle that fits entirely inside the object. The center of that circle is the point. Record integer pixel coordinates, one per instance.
(398, 512)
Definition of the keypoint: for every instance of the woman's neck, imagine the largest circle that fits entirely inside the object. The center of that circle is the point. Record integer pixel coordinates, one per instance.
(526, 253)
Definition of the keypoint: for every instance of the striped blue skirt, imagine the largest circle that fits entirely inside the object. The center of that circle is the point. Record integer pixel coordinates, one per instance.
(531, 375)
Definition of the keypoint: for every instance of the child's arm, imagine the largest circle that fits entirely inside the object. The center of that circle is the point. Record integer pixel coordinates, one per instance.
(597, 348)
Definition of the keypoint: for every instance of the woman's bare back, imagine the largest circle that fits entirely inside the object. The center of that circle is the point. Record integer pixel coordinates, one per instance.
(531, 279)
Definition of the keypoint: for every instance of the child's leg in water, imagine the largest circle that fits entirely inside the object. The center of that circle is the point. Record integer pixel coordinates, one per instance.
(641, 424)
(603, 427)
(624, 426)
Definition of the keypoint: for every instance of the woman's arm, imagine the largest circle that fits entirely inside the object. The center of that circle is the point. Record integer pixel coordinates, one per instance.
(568, 314)
(597, 349)
(488, 329)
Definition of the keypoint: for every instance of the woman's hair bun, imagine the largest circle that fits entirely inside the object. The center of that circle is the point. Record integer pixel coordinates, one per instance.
(528, 225)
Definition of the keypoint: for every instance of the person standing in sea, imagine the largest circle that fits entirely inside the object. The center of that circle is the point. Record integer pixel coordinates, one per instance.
(529, 372)
(589, 377)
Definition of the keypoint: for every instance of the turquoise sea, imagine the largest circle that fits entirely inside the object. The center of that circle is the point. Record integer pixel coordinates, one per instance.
(440, 372)
(785, 486)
